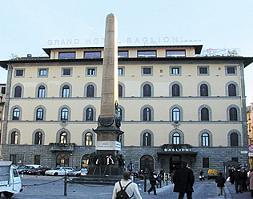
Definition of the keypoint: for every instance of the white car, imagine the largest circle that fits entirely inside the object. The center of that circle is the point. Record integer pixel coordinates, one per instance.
(60, 171)
(81, 172)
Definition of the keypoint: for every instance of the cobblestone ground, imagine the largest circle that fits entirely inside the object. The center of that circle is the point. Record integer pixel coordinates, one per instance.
(46, 187)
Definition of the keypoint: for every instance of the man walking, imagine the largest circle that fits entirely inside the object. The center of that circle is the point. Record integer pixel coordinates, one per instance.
(183, 181)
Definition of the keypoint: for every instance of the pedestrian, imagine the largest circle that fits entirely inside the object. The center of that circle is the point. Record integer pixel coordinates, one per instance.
(201, 175)
(183, 180)
(152, 180)
(220, 180)
(238, 180)
(159, 180)
(251, 182)
(130, 187)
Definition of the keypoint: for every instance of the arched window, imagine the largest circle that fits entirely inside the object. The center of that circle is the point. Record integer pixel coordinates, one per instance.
(176, 138)
(64, 114)
(120, 90)
(40, 114)
(147, 92)
(146, 115)
(88, 139)
(14, 137)
(233, 114)
(90, 91)
(175, 114)
(204, 114)
(41, 92)
(203, 90)
(63, 138)
(89, 114)
(16, 114)
(38, 138)
(234, 140)
(231, 90)
(175, 90)
(146, 140)
(205, 140)
(17, 91)
(65, 91)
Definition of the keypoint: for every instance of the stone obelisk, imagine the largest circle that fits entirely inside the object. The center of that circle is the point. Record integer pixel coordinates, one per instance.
(108, 130)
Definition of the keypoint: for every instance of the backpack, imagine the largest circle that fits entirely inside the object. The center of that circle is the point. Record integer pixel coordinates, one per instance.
(122, 194)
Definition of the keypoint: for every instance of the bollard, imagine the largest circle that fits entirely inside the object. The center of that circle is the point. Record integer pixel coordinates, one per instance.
(65, 185)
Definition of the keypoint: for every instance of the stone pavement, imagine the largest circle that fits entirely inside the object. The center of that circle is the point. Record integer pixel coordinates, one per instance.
(47, 187)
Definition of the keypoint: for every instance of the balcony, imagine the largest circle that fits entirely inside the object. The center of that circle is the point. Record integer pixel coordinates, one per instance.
(60, 147)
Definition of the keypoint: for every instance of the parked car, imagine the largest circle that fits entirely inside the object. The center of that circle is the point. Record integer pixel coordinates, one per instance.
(22, 169)
(81, 172)
(60, 171)
(10, 181)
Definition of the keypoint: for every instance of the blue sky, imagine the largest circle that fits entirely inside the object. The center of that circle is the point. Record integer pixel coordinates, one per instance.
(27, 26)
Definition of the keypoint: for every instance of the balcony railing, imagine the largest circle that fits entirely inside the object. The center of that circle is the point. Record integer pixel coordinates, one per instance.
(60, 147)
(176, 147)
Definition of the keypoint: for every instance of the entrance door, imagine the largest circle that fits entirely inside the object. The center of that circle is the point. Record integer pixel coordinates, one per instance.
(147, 163)
(175, 162)
(62, 160)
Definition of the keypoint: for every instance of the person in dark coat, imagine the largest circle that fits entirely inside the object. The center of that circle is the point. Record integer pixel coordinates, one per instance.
(183, 180)
(238, 180)
(152, 180)
(220, 180)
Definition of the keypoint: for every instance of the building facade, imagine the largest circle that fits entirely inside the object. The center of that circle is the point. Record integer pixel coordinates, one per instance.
(175, 106)
(2, 100)
(250, 133)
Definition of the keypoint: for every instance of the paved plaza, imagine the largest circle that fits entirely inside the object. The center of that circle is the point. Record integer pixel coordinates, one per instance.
(47, 187)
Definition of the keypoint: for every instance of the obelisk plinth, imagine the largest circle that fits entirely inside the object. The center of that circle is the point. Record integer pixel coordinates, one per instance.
(108, 129)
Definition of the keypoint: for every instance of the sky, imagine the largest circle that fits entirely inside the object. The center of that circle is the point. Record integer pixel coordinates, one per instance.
(27, 26)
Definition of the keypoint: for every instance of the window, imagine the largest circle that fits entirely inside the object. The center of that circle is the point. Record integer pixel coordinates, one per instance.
(120, 71)
(16, 114)
(205, 162)
(89, 114)
(175, 70)
(176, 138)
(120, 91)
(203, 70)
(92, 54)
(146, 139)
(146, 53)
(122, 54)
(17, 91)
(234, 139)
(37, 159)
(90, 91)
(147, 71)
(230, 70)
(205, 139)
(146, 114)
(233, 114)
(204, 114)
(66, 71)
(64, 114)
(231, 90)
(175, 90)
(91, 71)
(63, 138)
(43, 72)
(175, 53)
(3, 89)
(38, 138)
(14, 137)
(175, 114)
(203, 90)
(65, 91)
(67, 55)
(88, 139)
(19, 72)
(146, 90)
(39, 114)
(41, 92)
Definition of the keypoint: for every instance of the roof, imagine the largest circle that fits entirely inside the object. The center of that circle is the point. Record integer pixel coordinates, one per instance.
(198, 48)
(245, 60)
